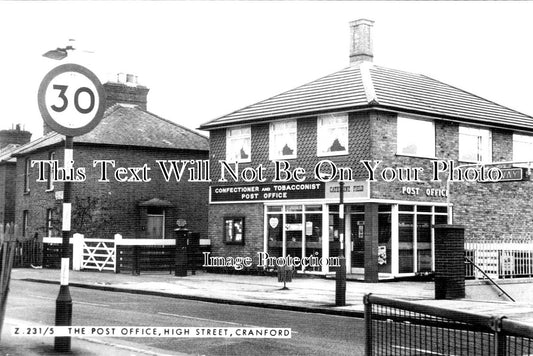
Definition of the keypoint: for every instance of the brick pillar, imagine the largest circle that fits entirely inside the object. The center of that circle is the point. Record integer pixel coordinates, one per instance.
(449, 261)
(371, 242)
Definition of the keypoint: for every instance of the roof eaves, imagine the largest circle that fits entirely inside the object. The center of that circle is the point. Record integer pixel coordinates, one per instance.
(28, 148)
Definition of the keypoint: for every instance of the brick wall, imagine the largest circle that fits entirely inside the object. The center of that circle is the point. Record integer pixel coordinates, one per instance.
(119, 200)
(253, 229)
(7, 192)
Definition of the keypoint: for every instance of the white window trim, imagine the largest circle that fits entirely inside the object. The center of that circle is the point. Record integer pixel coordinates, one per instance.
(524, 138)
(434, 144)
(228, 138)
(272, 155)
(488, 144)
(50, 182)
(336, 153)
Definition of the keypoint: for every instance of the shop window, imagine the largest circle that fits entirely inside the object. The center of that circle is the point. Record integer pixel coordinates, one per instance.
(522, 149)
(26, 175)
(234, 230)
(283, 139)
(238, 144)
(475, 144)
(332, 135)
(415, 137)
(50, 184)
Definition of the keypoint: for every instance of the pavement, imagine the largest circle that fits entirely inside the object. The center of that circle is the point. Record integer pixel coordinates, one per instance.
(308, 294)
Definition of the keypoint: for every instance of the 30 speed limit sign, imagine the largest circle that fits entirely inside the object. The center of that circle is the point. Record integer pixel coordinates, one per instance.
(71, 100)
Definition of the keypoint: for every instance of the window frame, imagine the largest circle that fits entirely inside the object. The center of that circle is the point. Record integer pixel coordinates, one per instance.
(158, 215)
(232, 240)
(320, 136)
(402, 120)
(27, 163)
(527, 139)
(484, 146)
(232, 138)
(50, 182)
(284, 130)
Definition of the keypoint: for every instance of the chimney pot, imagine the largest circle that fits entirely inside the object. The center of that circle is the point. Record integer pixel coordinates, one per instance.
(361, 41)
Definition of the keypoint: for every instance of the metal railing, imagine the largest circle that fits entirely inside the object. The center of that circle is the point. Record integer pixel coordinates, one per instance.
(502, 292)
(505, 257)
(398, 327)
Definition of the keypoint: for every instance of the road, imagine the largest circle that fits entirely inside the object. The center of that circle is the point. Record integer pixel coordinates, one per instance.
(312, 334)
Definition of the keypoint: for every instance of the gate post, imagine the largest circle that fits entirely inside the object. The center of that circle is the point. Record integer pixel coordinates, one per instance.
(77, 251)
(449, 262)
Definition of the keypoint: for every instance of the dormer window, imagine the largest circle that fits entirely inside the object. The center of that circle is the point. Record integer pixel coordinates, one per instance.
(332, 135)
(238, 144)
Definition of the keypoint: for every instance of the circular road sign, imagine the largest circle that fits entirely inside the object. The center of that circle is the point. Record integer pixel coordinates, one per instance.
(71, 100)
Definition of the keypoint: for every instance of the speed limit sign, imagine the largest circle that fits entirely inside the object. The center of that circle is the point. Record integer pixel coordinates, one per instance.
(71, 100)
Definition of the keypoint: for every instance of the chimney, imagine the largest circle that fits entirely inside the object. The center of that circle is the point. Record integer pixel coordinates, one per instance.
(15, 135)
(126, 90)
(361, 41)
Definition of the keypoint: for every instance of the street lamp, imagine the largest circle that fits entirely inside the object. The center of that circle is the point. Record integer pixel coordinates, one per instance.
(58, 53)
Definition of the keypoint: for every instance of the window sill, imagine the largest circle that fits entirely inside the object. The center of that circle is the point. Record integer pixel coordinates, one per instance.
(332, 154)
(282, 158)
(415, 156)
(234, 243)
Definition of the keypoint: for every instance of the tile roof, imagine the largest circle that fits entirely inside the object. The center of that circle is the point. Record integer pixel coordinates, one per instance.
(127, 125)
(369, 85)
(7, 151)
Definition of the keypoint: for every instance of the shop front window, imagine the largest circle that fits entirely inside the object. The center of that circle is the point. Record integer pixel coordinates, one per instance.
(384, 238)
(295, 230)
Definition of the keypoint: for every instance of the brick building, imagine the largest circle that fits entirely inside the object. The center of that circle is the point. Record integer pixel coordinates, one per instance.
(10, 141)
(133, 138)
(413, 125)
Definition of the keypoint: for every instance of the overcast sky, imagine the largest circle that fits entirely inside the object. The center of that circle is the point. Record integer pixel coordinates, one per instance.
(202, 60)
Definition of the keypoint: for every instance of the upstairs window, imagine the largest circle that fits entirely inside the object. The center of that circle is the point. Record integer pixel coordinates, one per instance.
(415, 137)
(238, 144)
(49, 176)
(475, 144)
(522, 149)
(27, 175)
(332, 135)
(283, 139)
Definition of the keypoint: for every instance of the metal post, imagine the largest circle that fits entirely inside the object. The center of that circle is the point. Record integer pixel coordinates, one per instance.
(368, 324)
(340, 276)
(64, 300)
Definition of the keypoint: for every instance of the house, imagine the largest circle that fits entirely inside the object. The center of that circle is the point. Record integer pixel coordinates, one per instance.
(411, 151)
(10, 141)
(119, 188)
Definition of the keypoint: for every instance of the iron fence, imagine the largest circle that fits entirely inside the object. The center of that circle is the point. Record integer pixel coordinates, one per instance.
(500, 257)
(397, 327)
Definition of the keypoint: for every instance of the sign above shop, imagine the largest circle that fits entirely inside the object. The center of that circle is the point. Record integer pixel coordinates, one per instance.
(262, 192)
(352, 190)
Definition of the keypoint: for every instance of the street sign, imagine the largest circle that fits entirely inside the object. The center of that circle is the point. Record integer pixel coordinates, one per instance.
(71, 100)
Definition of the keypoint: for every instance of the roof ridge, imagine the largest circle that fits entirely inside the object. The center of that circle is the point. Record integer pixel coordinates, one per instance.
(172, 122)
(274, 96)
(477, 96)
(368, 85)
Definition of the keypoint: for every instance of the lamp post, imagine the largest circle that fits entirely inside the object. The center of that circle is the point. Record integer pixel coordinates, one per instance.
(340, 276)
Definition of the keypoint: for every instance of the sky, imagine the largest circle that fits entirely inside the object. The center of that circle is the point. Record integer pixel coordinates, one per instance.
(202, 60)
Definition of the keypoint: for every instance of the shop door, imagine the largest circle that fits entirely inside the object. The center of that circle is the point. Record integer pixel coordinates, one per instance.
(357, 225)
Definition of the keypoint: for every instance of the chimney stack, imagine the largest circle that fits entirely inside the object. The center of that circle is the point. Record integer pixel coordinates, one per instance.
(126, 90)
(361, 41)
(16, 135)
